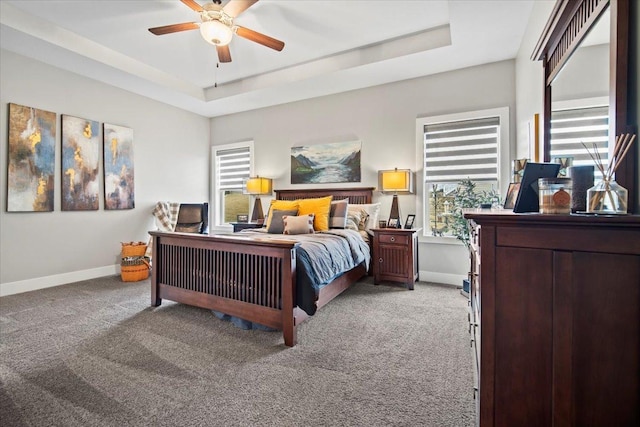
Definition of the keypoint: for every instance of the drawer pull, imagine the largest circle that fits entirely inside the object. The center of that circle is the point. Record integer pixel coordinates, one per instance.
(393, 239)
(380, 260)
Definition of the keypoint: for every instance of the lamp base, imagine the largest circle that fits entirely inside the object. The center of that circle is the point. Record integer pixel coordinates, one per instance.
(257, 216)
(395, 213)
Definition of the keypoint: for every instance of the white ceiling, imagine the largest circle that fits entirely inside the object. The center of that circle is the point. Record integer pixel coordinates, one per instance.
(330, 46)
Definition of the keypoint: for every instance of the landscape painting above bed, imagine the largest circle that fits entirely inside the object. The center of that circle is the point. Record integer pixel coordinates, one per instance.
(326, 163)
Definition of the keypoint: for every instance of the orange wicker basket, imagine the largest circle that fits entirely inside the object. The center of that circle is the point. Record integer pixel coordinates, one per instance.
(134, 266)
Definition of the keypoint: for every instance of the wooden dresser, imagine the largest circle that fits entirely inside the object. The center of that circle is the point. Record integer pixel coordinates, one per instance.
(555, 319)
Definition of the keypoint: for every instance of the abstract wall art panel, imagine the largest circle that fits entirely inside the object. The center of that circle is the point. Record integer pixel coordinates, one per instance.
(31, 159)
(80, 161)
(118, 167)
(326, 163)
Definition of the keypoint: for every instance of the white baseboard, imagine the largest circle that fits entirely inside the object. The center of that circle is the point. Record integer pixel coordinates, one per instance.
(28, 285)
(20, 286)
(444, 278)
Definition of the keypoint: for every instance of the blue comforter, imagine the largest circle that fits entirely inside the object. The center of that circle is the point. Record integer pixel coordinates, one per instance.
(320, 258)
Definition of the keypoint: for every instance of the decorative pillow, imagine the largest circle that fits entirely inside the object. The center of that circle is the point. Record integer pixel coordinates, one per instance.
(320, 208)
(356, 219)
(338, 214)
(302, 224)
(372, 209)
(283, 205)
(276, 226)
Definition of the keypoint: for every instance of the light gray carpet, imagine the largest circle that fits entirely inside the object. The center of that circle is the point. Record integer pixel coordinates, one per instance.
(95, 353)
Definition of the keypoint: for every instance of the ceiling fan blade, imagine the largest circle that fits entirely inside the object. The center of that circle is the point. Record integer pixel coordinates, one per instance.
(224, 55)
(257, 37)
(236, 7)
(193, 5)
(185, 26)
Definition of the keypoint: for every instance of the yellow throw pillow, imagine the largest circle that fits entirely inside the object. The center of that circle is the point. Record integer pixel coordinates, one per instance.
(281, 205)
(320, 207)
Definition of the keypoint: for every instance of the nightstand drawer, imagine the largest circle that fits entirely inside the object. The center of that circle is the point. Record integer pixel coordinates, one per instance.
(394, 238)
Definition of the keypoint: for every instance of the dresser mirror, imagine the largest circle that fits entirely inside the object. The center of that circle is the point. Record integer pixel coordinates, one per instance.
(586, 41)
(580, 100)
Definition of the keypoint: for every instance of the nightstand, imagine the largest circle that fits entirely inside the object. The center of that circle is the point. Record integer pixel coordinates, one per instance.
(395, 255)
(239, 226)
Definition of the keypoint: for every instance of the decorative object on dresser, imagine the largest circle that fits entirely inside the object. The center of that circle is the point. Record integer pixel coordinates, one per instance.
(555, 319)
(512, 195)
(517, 169)
(258, 186)
(253, 278)
(395, 255)
(528, 200)
(582, 177)
(607, 196)
(395, 181)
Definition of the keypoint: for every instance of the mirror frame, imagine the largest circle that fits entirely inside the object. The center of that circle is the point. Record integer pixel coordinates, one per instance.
(568, 25)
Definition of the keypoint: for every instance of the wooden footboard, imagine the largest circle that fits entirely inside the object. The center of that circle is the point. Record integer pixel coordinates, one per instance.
(241, 277)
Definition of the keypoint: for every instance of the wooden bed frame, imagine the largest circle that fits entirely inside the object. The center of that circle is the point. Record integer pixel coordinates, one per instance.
(243, 277)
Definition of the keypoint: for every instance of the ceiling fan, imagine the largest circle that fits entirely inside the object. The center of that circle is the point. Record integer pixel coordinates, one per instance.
(217, 26)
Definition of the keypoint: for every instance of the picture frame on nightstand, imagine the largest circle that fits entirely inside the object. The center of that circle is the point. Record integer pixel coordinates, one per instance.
(242, 218)
(408, 224)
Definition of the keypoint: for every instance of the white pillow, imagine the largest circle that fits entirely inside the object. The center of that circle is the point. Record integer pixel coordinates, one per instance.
(302, 224)
(373, 209)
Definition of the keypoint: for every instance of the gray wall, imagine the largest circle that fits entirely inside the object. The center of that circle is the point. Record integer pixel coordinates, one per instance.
(384, 119)
(171, 154)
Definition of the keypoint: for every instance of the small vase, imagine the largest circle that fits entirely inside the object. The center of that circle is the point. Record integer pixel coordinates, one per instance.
(607, 197)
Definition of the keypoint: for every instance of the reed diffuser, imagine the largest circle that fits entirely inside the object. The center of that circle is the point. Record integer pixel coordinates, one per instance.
(607, 196)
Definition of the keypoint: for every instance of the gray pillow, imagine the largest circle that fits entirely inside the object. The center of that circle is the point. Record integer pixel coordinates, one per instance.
(338, 214)
(277, 225)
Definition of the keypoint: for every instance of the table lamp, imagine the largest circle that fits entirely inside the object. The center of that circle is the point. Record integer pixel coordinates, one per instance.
(394, 181)
(257, 186)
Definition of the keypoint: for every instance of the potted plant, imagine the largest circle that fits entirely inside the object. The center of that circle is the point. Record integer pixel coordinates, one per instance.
(466, 196)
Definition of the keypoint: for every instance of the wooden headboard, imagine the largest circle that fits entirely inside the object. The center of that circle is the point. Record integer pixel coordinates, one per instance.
(361, 195)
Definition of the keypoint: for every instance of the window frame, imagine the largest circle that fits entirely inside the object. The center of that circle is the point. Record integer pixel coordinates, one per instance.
(216, 219)
(504, 150)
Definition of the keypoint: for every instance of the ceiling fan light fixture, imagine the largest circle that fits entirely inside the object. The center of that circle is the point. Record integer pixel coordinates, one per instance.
(216, 33)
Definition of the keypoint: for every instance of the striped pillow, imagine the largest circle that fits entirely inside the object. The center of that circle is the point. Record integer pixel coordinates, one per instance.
(338, 214)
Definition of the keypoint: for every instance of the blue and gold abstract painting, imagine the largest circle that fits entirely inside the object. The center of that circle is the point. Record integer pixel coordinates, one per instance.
(80, 161)
(31, 159)
(118, 167)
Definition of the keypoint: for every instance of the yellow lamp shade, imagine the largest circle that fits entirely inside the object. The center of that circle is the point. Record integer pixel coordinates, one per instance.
(258, 186)
(396, 180)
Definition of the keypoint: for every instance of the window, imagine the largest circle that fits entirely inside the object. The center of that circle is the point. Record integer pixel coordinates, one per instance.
(232, 164)
(456, 148)
(570, 127)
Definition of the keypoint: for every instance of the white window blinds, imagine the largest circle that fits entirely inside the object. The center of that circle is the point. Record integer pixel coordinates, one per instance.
(233, 166)
(571, 127)
(462, 149)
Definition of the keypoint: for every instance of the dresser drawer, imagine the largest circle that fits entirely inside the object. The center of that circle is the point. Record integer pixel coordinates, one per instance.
(394, 238)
